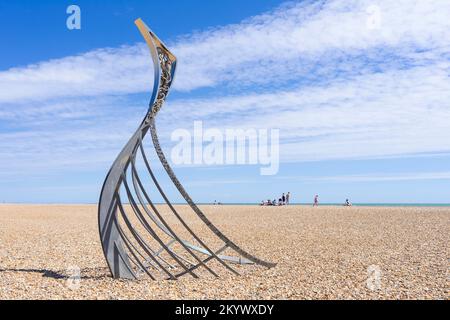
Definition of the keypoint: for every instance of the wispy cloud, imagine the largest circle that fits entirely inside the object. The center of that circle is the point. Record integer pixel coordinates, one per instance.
(388, 114)
(312, 40)
(374, 177)
(335, 88)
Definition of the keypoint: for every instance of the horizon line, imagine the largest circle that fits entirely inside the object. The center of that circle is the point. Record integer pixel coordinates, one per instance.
(250, 203)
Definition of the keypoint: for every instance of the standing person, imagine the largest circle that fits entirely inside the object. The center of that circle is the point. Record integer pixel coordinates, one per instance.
(316, 201)
(283, 199)
(287, 198)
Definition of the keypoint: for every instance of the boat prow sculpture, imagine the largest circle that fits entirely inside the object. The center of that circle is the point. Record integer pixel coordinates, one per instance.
(140, 240)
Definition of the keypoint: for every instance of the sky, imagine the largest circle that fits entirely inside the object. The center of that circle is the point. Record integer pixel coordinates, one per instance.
(359, 91)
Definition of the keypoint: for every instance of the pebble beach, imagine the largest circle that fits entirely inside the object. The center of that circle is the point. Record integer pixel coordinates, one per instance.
(328, 252)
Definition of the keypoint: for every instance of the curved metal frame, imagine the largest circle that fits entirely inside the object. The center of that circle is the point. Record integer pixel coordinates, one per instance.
(122, 251)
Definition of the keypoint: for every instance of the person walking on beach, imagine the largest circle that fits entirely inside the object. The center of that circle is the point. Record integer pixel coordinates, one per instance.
(288, 195)
(316, 201)
(283, 199)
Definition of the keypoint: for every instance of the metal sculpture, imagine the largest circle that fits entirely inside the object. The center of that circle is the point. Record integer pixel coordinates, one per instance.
(125, 238)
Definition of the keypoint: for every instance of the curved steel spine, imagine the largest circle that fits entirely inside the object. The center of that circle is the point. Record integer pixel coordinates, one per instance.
(121, 251)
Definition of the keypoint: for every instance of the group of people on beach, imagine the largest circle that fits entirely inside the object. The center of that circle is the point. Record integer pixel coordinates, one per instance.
(282, 201)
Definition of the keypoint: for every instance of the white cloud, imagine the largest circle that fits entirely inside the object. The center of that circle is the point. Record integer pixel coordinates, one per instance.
(294, 40)
(310, 39)
(375, 177)
(389, 114)
(335, 88)
(77, 134)
(100, 72)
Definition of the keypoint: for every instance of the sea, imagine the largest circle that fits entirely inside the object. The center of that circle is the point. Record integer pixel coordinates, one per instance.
(354, 204)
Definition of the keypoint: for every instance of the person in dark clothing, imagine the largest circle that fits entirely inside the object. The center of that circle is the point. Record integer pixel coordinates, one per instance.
(316, 201)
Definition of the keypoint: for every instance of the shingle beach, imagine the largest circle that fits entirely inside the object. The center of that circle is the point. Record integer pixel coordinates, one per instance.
(321, 253)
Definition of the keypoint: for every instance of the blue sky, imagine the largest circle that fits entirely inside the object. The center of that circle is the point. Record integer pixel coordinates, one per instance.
(360, 91)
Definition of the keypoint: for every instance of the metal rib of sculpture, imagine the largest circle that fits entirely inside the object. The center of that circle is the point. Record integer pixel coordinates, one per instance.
(124, 237)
